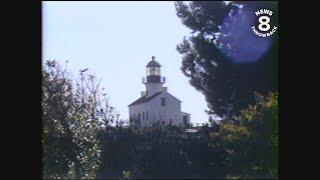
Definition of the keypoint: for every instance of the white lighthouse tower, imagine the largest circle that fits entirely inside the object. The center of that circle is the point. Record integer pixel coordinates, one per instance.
(156, 105)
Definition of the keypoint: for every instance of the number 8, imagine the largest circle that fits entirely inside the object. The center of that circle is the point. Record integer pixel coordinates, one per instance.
(264, 23)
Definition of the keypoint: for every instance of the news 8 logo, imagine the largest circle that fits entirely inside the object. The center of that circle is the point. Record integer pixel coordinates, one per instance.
(264, 25)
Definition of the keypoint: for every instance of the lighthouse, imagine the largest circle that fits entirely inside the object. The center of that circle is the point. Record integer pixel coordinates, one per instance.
(156, 106)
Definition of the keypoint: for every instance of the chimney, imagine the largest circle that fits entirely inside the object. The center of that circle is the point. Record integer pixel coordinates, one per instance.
(143, 93)
(164, 89)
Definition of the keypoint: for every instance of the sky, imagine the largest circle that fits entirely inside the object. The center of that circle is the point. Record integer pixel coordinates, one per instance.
(116, 40)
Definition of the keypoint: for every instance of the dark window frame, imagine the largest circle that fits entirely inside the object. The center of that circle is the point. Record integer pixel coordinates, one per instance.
(163, 101)
(185, 119)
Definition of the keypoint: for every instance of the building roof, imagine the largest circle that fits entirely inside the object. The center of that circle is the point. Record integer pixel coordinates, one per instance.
(153, 63)
(144, 99)
(173, 97)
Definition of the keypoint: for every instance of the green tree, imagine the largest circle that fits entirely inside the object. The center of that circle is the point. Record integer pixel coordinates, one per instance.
(252, 146)
(72, 117)
(227, 85)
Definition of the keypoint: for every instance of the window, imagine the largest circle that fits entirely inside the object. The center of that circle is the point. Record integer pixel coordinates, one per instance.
(185, 119)
(142, 115)
(153, 71)
(163, 101)
(147, 115)
(131, 118)
(139, 116)
(138, 123)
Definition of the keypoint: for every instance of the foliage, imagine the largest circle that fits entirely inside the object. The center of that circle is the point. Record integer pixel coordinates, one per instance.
(159, 152)
(220, 150)
(230, 80)
(228, 86)
(72, 118)
(252, 146)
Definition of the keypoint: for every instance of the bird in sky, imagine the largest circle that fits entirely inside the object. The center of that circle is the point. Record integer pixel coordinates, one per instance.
(84, 70)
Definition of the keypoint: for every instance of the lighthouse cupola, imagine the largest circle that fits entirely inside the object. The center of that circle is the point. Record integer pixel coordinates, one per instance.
(153, 80)
(153, 68)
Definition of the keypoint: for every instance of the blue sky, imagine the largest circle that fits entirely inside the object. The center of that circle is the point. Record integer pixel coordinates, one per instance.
(115, 40)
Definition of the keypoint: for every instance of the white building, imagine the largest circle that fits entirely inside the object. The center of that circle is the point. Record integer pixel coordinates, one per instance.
(156, 105)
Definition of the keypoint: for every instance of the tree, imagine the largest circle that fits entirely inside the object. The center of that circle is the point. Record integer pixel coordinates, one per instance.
(252, 146)
(214, 57)
(72, 117)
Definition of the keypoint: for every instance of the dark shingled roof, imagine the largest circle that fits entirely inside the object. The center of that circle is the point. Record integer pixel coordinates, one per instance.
(144, 99)
(153, 63)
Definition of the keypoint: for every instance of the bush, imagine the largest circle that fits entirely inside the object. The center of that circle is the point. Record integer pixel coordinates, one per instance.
(159, 152)
(252, 145)
(72, 118)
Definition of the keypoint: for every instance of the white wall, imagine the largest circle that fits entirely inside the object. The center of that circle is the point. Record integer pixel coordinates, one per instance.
(152, 88)
(156, 112)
